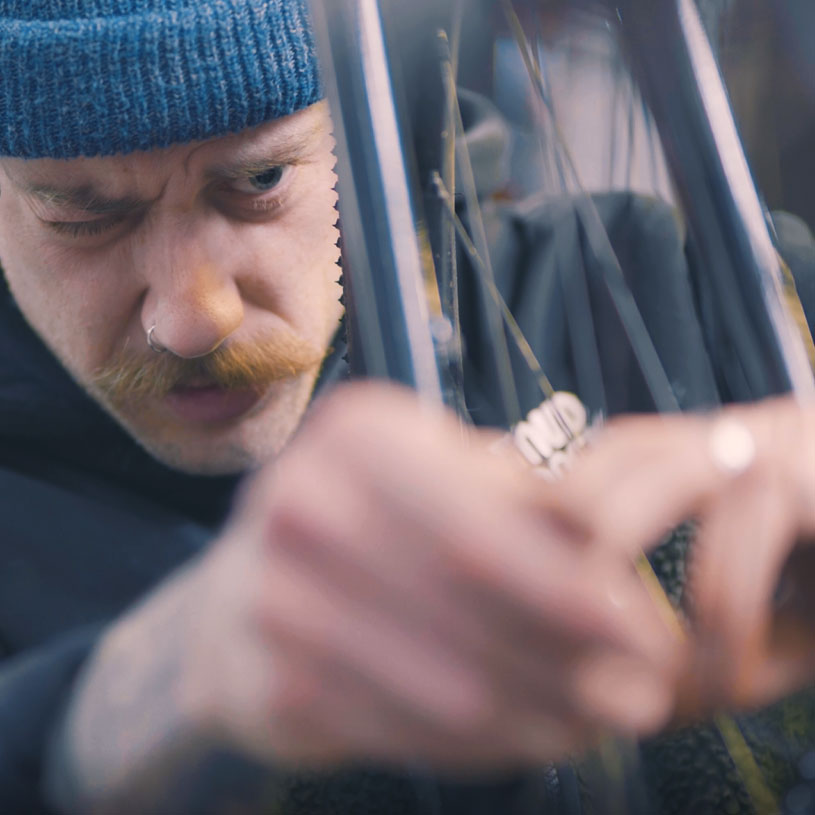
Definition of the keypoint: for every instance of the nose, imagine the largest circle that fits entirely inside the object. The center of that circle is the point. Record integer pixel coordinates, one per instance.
(193, 303)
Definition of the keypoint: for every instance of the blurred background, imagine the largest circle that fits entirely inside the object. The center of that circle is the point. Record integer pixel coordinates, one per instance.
(766, 56)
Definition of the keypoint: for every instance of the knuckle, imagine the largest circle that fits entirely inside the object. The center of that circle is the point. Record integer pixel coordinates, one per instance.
(473, 722)
(469, 564)
(289, 508)
(295, 696)
(354, 405)
(289, 518)
(337, 419)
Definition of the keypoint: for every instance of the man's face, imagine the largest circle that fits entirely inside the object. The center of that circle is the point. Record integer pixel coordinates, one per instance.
(228, 247)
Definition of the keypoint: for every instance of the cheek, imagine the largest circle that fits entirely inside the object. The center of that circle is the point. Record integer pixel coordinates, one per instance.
(77, 305)
(299, 256)
(314, 271)
(312, 223)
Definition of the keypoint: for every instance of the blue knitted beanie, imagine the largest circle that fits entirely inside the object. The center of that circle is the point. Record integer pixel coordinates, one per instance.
(98, 77)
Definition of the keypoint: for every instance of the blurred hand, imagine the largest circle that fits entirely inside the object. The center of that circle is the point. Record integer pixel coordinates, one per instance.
(390, 589)
(752, 569)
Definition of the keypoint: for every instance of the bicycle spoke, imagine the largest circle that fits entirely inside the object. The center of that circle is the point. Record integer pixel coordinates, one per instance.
(506, 314)
(499, 348)
(607, 263)
(448, 261)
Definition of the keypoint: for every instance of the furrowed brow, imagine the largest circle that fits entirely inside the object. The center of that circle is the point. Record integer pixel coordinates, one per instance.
(254, 161)
(85, 198)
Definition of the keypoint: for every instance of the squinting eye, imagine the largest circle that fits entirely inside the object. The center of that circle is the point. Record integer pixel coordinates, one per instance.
(76, 229)
(262, 182)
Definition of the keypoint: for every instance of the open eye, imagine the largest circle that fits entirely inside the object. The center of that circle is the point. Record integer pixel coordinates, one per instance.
(262, 182)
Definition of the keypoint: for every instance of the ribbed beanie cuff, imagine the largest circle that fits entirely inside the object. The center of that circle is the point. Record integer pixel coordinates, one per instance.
(99, 77)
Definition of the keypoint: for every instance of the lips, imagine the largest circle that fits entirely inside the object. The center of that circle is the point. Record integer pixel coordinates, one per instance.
(210, 404)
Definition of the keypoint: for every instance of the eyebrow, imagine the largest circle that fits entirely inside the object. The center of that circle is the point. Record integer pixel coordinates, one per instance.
(84, 198)
(255, 160)
(289, 148)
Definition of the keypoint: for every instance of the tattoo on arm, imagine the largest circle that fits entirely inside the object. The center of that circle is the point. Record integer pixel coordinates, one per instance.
(127, 744)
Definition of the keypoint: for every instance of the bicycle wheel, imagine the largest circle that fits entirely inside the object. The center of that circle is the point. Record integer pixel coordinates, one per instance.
(506, 241)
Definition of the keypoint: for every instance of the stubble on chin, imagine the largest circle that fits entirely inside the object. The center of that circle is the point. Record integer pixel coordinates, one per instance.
(281, 366)
(238, 447)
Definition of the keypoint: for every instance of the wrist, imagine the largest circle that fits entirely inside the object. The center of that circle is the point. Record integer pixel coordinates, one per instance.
(132, 714)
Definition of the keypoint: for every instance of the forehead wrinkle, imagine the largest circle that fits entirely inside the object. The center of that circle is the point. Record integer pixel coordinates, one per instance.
(286, 142)
(191, 154)
(83, 189)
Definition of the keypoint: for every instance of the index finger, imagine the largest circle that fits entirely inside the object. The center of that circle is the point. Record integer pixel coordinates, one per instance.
(643, 477)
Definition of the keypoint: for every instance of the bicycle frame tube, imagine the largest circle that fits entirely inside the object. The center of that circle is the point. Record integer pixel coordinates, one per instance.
(674, 64)
(676, 70)
(382, 255)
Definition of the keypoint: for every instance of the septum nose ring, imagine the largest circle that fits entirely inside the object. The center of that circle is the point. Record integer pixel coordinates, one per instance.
(154, 346)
